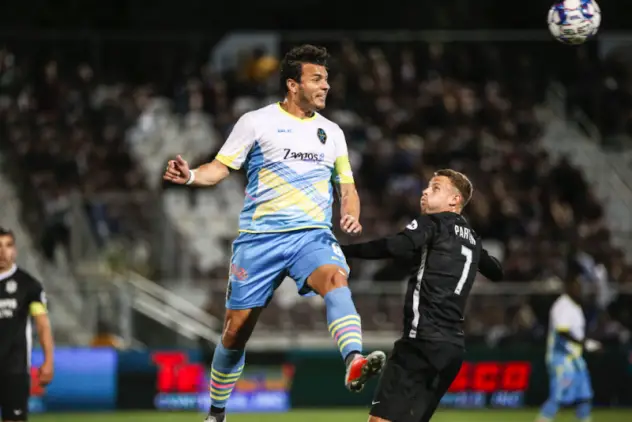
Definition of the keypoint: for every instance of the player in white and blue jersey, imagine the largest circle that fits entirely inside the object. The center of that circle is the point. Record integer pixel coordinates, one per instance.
(294, 158)
(570, 380)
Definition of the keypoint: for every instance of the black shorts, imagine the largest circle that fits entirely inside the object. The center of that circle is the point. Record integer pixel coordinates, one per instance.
(417, 374)
(14, 396)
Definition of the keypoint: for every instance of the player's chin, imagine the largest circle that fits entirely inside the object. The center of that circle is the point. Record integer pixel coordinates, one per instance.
(319, 103)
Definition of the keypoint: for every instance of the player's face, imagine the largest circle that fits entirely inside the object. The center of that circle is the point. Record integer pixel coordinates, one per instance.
(575, 290)
(7, 252)
(439, 196)
(314, 87)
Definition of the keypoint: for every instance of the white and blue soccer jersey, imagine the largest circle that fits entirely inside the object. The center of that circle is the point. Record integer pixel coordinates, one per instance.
(290, 165)
(570, 380)
(565, 316)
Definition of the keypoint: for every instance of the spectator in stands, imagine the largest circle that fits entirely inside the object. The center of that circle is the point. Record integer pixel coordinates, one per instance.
(105, 337)
(406, 111)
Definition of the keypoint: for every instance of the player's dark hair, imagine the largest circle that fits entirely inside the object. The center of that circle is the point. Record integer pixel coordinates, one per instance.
(6, 232)
(292, 63)
(460, 182)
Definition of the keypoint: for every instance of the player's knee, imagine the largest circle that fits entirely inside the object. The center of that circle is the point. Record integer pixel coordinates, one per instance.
(328, 278)
(238, 326)
(377, 419)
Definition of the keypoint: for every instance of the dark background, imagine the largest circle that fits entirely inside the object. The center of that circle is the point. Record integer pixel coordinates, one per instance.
(220, 16)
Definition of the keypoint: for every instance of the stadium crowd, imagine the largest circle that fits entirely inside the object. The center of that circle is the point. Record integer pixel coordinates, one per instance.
(406, 111)
(600, 87)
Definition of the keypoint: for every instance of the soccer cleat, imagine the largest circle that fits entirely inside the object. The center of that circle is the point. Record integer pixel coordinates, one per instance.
(362, 368)
(218, 417)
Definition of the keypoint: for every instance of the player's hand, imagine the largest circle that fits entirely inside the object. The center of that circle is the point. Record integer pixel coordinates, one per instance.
(592, 345)
(177, 171)
(45, 373)
(350, 225)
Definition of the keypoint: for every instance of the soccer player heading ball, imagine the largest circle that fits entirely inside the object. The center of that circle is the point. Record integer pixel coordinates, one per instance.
(294, 159)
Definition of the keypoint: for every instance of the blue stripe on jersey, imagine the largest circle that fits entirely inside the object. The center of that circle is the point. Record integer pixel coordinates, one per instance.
(305, 182)
(291, 218)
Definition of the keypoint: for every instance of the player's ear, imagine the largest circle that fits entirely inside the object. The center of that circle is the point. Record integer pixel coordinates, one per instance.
(292, 86)
(455, 200)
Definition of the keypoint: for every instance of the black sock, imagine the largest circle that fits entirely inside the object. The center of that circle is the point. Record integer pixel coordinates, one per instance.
(350, 357)
(217, 410)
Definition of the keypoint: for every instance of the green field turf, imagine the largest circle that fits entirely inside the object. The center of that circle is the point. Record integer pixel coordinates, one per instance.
(329, 416)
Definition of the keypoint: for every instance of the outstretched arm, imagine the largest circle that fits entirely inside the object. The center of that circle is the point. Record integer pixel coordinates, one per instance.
(403, 245)
(231, 156)
(209, 174)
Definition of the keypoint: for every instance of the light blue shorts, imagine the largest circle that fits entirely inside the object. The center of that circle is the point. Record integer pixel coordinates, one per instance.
(570, 381)
(261, 261)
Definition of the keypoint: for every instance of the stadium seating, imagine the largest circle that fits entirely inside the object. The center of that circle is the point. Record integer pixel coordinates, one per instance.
(406, 109)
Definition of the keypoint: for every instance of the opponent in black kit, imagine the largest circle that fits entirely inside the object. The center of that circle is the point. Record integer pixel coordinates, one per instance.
(21, 297)
(444, 254)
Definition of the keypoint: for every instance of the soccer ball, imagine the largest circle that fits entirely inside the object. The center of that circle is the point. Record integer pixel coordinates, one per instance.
(574, 21)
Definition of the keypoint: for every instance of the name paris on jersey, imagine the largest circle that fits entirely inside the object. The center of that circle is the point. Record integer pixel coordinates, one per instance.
(460, 231)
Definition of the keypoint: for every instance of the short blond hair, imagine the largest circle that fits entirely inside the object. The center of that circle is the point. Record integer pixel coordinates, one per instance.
(460, 182)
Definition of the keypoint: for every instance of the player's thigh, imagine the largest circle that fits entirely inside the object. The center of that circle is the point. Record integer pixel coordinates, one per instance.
(257, 267)
(404, 380)
(317, 263)
(447, 359)
(562, 377)
(14, 397)
(582, 385)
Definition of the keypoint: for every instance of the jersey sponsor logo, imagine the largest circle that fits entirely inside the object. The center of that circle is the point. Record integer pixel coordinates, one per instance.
(284, 130)
(413, 225)
(303, 156)
(322, 135)
(11, 286)
(7, 306)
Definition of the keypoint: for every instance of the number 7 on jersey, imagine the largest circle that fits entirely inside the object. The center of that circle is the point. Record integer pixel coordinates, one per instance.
(467, 252)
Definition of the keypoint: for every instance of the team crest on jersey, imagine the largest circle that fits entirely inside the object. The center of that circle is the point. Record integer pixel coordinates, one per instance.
(11, 286)
(322, 135)
(413, 225)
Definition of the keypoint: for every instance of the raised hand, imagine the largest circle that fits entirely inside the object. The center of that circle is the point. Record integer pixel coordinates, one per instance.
(177, 171)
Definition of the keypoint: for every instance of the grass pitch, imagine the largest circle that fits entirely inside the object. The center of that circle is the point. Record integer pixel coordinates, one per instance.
(360, 415)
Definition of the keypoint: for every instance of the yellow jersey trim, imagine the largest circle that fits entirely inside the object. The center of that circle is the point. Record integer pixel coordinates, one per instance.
(226, 161)
(307, 119)
(342, 170)
(283, 231)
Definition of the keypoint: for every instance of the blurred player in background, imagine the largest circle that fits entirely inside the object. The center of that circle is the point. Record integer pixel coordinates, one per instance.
(21, 298)
(445, 254)
(570, 380)
(294, 159)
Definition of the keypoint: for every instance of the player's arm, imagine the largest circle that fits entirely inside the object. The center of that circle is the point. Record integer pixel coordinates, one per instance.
(39, 313)
(587, 343)
(349, 200)
(402, 245)
(210, 174)
(490, 267)
(231, 156)
(342, 178)
(562, 322)
(565, 333)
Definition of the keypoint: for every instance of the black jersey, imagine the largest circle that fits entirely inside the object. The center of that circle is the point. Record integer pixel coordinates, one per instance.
(21, 296)
(445, 254)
